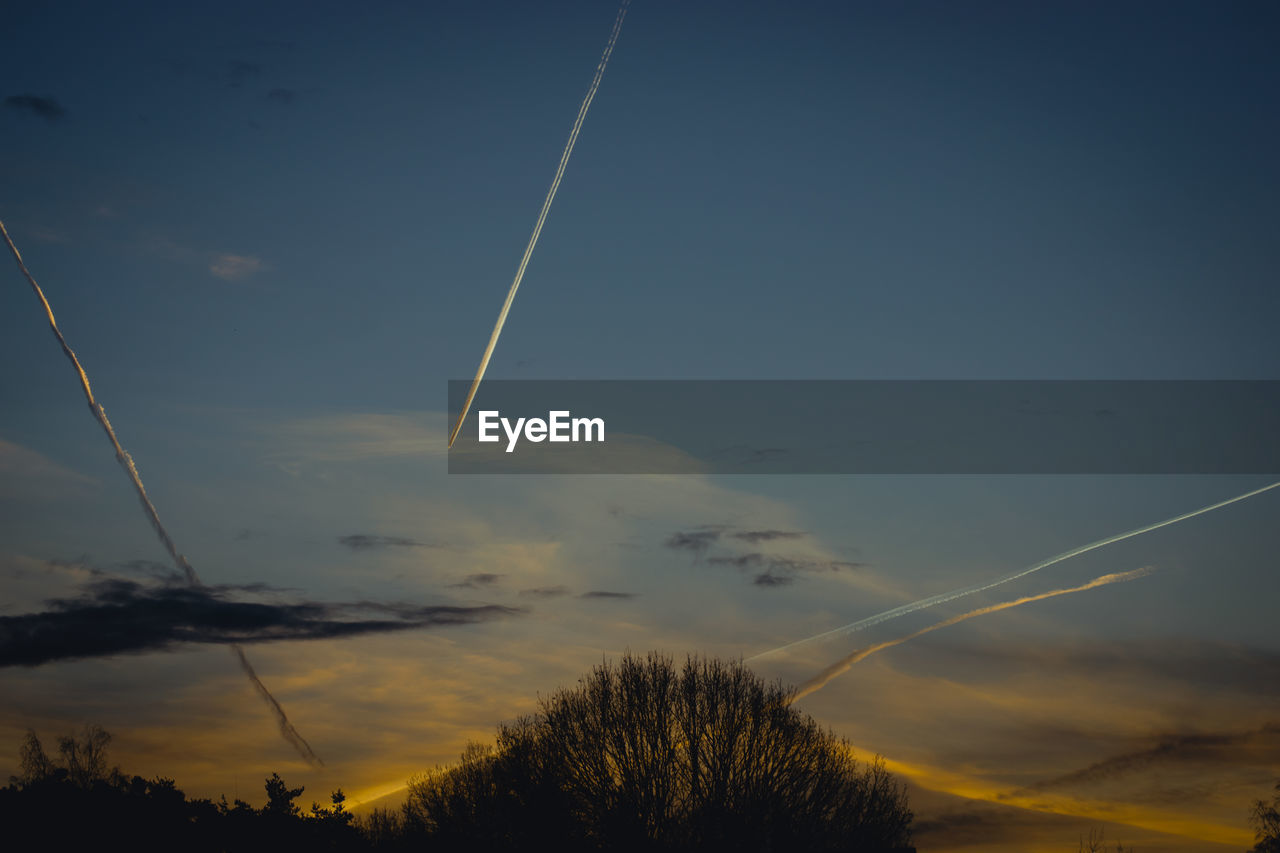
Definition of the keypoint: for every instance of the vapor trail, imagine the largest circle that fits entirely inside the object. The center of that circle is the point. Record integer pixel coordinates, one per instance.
(126, 462)
(542, 217)
(944, 597)
(287, 731)
(842, 666)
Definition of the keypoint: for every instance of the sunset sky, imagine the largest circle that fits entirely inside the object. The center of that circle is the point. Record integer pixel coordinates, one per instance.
(273, 234)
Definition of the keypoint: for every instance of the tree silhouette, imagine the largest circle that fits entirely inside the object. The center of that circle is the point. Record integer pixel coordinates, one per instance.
(85, 759)
(73, 802)
(642, 755)
(1266, 823)
(1097, 843)
(280, 798)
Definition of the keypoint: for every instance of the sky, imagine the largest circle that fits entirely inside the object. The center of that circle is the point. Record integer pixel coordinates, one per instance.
(273, 234)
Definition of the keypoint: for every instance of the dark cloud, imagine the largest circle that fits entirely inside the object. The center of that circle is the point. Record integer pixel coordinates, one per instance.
(738, 561)
(988, 825)
(45, 107)
(478, 580)
(603, 593)
(545, 591)
(757, 536)
(1178, 747)
(696, 541)
(979, 824)
(778, 570)
(367, 542)
(118, 616)
(282, 96)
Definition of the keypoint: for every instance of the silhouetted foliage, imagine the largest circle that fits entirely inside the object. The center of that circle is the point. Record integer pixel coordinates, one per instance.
(642, 755)
(1266, 823)
(637, 757)
(74, 802)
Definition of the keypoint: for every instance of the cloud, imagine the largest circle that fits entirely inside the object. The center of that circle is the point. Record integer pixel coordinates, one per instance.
(987, 825)
(235, 267)
(478, 580)
(118, 616)
(151, 569)
(545, 592)
(45, 107)
(26, 474)
(368, 542)
(1176, 747)
(696, 541)
(354, 438)
(282, 96)
(779, 569)
(602, 593)
(757, 536)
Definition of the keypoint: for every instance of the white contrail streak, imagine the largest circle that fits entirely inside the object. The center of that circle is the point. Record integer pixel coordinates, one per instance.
(842, 666)
(542, 217)
(126, 462)
(944, 597)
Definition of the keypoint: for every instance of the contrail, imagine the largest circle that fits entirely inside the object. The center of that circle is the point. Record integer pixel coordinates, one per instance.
(287, 731)
(542, 217)
(842, 666)
(126, 462)
(944, 597)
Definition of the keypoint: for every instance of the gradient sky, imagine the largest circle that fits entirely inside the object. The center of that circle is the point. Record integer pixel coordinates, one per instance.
(272, 235)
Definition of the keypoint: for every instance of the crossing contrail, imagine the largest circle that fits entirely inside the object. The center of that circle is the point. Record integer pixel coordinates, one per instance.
(842, 666)
(126, 462)
(944, 597)
(542, 217)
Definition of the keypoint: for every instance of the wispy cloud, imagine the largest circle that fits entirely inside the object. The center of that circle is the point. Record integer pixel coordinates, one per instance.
(696, 541)
(757, 536)
(370, 542)
(354, 438)
(45, 107)
(235, 267)
(478, 580)
(27, 474)
(604, 593)
(545, 592)
(1174, 747)
(778, 569)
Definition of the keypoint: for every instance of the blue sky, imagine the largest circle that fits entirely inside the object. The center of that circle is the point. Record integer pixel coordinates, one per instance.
(272, 235)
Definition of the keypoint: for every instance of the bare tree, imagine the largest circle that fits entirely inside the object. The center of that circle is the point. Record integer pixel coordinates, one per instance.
(35, 765)
(85, 759)
(1097, 843)
(1266, 823)
(645, 754)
